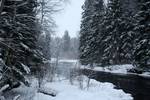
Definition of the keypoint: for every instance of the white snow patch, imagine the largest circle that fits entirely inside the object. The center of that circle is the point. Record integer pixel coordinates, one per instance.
(145, 74)
(26, 68)
(118, 69)
(24, 45)
(96, 91)
(113, 68)
(69, 61)
(64, 60)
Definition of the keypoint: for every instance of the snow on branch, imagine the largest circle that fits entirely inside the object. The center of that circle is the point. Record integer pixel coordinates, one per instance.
(25, 46)
(17, 97)
(15, 0)
(25, 68)
(4, 88)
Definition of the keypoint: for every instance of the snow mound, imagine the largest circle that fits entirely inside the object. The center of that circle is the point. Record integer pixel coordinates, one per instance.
(96, 91)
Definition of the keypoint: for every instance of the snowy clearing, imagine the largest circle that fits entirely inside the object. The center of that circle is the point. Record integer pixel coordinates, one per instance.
(96, 91)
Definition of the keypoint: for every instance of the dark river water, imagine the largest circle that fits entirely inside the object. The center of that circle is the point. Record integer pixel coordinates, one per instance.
(137, 86)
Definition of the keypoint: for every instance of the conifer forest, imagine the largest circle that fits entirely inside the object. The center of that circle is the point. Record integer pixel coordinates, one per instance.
(74, 49)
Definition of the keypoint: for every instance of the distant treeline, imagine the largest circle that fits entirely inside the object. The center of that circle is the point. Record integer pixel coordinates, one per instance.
(66, 47)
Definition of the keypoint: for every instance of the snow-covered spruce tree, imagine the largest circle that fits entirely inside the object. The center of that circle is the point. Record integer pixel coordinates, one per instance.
(85, 31)
(113, 19)
(105, 30)
(130, 6)
(18, 33)
(94, 40)
(127, 40)
(142, 34)
(117, 44)
(126, 36)
(89, 40)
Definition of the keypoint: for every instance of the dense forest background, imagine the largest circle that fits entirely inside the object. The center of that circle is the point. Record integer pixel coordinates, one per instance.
(116, 33)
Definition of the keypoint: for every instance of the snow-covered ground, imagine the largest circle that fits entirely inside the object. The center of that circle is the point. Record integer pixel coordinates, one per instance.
(65, 91)
(96, 91)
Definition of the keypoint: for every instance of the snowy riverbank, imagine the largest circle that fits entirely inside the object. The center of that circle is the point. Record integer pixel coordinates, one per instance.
(96, 91)
(118, 69)
(113, 68)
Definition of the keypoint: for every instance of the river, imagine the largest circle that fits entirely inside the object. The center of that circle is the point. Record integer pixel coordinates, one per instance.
(138, 86)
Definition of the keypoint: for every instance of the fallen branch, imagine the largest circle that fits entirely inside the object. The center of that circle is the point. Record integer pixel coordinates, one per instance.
(48, 91)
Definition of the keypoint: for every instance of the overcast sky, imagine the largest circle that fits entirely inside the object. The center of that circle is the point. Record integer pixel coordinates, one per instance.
(70, 18)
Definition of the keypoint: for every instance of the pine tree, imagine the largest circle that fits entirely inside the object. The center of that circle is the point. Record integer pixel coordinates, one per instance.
(105, 38)
(19, 33)
(130, 6)
(95, 36)
(90, 29)
(142, 35)
(127, 40)
(117, 37)
(85, 31)
(113, 30)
